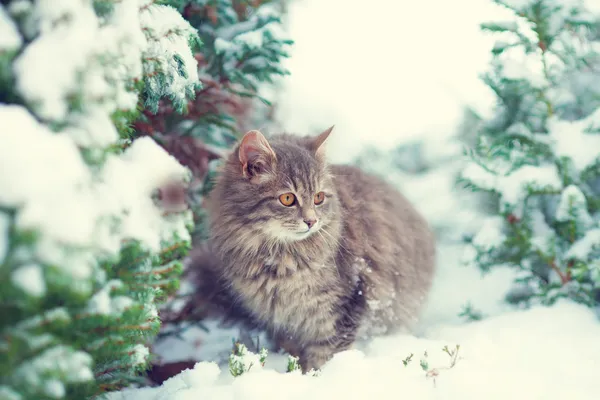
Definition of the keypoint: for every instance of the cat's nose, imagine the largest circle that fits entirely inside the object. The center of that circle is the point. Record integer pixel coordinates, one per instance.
(310, 222)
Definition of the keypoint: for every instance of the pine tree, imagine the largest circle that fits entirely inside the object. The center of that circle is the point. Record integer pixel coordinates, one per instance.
(92, 223)
(540, 153)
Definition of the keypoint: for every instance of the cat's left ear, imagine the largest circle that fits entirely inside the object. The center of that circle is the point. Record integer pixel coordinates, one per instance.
(316, 145)
(256, 156)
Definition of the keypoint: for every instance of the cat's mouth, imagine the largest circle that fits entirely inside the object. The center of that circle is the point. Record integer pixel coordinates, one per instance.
(291, 233)
(306, 233)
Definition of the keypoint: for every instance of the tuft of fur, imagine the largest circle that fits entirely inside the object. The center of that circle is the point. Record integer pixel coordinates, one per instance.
(364, 267)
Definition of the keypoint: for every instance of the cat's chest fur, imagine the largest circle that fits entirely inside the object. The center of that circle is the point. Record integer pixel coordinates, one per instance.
(294, 295)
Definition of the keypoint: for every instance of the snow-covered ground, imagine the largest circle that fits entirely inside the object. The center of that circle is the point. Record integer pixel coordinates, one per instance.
(386, 72)
(536, 354)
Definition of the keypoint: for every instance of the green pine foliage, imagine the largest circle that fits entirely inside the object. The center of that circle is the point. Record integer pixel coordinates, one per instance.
(293, 364)
(539, 153)
(241, 360)
(88, 247)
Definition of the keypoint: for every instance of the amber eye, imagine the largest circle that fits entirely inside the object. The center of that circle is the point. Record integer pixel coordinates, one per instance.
(287, 199)
(319, 198)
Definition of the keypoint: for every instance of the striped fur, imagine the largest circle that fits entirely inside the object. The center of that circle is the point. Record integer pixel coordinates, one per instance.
(365, 269)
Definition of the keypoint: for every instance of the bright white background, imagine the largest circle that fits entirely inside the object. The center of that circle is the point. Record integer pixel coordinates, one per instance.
(384, 70)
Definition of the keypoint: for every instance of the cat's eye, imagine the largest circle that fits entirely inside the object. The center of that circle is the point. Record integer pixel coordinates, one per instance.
(287, 199)
(319, 198)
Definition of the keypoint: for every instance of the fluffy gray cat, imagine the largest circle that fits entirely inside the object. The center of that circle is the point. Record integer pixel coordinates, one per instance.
(318, 255)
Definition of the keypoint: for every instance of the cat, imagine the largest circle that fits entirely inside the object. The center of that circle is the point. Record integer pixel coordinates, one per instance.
(319, 255)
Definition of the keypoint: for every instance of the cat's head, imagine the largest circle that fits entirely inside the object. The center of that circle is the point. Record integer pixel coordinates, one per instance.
(279, 187)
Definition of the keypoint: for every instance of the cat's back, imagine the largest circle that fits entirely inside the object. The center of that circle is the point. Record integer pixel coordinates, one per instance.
(374, 204)
(383, 230)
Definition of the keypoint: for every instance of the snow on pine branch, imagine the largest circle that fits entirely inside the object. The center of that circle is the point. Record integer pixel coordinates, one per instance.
(61, 364)
(263, 17)
(102, 302)
(490, 235)
(585, 247)
(538, 44)
(251, 46)
(73, 199)
(513, 187)
(10, 39)
(573, 207)
(559, 12)
(577, 140)
(101, 58)
(170, 69)
(54, 176)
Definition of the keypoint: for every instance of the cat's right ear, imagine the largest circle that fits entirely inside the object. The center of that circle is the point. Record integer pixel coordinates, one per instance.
(257, 158)
(316, 145)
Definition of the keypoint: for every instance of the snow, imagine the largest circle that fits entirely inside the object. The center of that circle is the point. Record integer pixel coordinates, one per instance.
(73, 199)
(252, 39)
(194, 343)
(527, 66)
(583, 248)
(24, 147)
(520, 354)
(169, 33)
(522, 56)
(103, 303)
(519, 4)
(491, 233)
(557, 21)
(19, 7)
(25, 141)
(513, 186)
(543, 237)
(55, 389)
(94, 129)
(135, 31)
(7, 393)
(68, 188)
(572, 140)
(222, 45)
(30, 278)
(74, 366)
(55, 314)
(573, 206)
(140, 354)
(134, 176)
(10, 39)
(60, 180)
(71, 42)
(234, 41)
(484, 292)
(242, 360)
